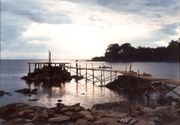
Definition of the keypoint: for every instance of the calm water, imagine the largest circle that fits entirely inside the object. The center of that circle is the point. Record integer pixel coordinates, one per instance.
(72, 92)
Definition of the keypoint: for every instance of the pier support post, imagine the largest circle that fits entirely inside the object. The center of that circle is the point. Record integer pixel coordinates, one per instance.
(115, 74)
(79, 70)
(38, 66)
(111, 74)
(86, 71)
(35, 65)
(70, 66)
(104, 77)
(93, 75)
(101, 77)
(76, 68)
(49, 57)
(29, 67)
(130, 68)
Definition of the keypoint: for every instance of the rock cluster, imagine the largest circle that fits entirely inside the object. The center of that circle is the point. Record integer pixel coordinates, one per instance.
(20, 113)
(103, 114)
(129, 84)
(48, 74)
(27, 91)
(3, 93)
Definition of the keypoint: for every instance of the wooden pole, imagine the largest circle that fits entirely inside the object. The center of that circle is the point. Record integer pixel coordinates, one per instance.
(130, 68)
(49, 56)
(93, 75)
(104, 77)
(29, 67)
(115, 74)
(76, 68)
(86, 71)
(35, 65)
(70, 66)
(111, 74)
(101, 77)
(80, 70)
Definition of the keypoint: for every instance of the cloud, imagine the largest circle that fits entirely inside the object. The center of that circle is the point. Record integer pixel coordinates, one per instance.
(34, 10)
(68, 27)
(171, 29)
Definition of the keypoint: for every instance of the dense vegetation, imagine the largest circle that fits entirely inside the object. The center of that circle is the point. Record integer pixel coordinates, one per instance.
(126, 52)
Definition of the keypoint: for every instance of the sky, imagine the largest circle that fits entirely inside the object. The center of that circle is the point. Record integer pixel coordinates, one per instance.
(82, 29)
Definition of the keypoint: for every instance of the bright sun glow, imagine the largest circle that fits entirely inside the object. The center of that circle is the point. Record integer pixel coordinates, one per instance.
(81, 40)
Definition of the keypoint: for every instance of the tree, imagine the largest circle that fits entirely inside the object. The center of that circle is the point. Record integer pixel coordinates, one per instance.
(112, 51)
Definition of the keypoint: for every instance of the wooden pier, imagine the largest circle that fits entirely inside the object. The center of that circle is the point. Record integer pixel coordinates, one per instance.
(101, 74)
(104, 75)
(114, 74)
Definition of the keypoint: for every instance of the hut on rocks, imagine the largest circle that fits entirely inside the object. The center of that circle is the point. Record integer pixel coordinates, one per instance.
(47, 72)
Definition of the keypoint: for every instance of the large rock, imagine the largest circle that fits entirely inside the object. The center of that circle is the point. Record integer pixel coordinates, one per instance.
(76, 116)
(107, 121)
(64, 109)
(69, 113)
(48, 74)
(40, 115)
(6, 111)
(36, 116)
(87, 115)
(59, 119)
(18, 120)
(27, 91)
(3, 93)
(81, 122)
(25, 112)
(99, 122)
(29, 124)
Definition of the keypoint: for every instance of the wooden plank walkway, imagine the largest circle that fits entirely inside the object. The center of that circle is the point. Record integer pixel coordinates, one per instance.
(131, 74)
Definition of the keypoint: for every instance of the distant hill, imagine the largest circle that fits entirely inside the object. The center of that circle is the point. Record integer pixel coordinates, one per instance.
(126, 52)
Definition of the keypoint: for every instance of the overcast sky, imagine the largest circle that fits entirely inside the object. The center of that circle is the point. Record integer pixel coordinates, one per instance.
(84, 28)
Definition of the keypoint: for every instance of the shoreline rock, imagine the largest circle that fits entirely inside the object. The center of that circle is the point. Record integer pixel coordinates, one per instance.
(100, 114)
(129, 85)
(2, 93)
(27, 91)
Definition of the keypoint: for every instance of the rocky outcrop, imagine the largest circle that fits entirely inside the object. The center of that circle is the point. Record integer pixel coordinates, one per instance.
(48, 74)
(129, 84)
(2, 93)
(25, 114)
(27, 91)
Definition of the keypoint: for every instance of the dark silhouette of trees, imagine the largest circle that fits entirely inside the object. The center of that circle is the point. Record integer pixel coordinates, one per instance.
(126, 52)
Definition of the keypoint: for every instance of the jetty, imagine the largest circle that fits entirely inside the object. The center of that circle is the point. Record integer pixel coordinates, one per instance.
(102, 74)
(114, 74)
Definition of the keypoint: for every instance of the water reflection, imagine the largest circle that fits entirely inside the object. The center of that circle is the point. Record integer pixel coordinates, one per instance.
(73, 92)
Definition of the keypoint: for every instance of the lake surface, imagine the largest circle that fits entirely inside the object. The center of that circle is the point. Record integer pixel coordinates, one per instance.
(72, 92)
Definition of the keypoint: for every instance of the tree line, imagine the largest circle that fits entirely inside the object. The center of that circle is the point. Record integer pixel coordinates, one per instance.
(126, 52)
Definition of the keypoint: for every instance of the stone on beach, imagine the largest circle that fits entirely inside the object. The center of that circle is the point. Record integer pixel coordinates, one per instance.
(59, 119)
(25, 112)
(81, 122)
(87, 115)
(20, 113)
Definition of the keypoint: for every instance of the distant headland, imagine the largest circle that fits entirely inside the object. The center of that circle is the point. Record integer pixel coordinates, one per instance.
(125, 52)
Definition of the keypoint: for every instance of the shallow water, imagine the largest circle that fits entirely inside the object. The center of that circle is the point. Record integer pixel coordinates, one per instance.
(85, 93)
